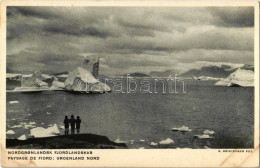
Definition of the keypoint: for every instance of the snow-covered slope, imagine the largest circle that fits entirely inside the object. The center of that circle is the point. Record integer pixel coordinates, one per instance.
(241, 77)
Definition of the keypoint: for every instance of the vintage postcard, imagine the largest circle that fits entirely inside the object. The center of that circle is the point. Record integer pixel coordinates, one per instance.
(129, 84)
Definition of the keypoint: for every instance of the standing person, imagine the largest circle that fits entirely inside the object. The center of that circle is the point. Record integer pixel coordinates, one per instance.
(72, 124)
(66, 125)
(78, 121)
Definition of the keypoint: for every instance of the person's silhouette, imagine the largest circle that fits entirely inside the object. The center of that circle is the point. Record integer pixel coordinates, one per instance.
(66, 125)
(78, 121)
(72, 124)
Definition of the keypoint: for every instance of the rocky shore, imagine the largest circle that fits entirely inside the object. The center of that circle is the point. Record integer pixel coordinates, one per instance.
(77, 141)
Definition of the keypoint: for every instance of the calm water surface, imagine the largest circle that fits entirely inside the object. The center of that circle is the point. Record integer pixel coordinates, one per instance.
(139, 119)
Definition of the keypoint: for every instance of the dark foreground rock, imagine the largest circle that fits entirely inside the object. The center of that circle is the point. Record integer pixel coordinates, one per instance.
(77, 141)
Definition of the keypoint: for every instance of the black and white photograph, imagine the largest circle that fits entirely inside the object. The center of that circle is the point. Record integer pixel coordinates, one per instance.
(129, 77)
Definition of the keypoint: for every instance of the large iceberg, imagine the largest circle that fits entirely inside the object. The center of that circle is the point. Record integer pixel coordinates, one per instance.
(32, 82)
(81, 80)
(91, 63)
(241, 77)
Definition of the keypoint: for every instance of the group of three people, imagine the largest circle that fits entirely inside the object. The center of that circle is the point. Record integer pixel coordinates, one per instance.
(72, 123)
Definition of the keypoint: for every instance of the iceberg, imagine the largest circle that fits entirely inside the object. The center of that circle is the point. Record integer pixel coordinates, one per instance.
(209, 132)
(13, 76)
(23, 137)
(10, 132)
(16, 126)
(91, 63)
(203, 136)
(81, 80)
(32, 83)
(241, 77)
(182, 129)
(42, 132)
(119, 141)
(46, 77)
(34, 80)
(58, 84)
(63, 76)
(153, 143)
(166, 141)
(28, 126)
(13, 102)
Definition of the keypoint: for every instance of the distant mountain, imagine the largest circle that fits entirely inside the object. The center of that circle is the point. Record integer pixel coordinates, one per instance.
(212, 71)
(61, 73)
(248, 67)
(137, 74)
(166, 73)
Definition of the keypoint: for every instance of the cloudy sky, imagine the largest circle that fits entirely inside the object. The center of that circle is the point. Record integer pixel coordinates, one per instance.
(128, 39)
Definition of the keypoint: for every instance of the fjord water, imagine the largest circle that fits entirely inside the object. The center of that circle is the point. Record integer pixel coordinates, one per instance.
(141, 118)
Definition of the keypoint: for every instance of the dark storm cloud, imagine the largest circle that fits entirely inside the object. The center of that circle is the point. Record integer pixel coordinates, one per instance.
(234, 17)
(77, 31)
(29, 12)
(136, 38)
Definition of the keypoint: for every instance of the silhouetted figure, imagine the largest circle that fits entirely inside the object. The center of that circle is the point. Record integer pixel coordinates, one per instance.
(78, 121)
(72, 124)
(66, 125)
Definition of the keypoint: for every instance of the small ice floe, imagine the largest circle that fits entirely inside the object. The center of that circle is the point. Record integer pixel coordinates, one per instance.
(29, 114)
(206, 147)
(166, 141)
(28, 109)
(141, 140)
(209, 132)
(13, 102)
(23, 137)
(42, 123)
(30, 136)
(48, 106)
(203, 136)
(32, 123)
(28, 126)
(45, 132)
(153, 143)
(48, 113)
(50, 125)
(13, 119)
(141, 148)
(16, 126)
(183, 148)
(182, 129)
(10, 132)
(62, 127)
(119, 141)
